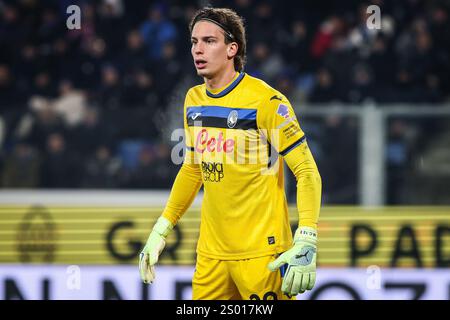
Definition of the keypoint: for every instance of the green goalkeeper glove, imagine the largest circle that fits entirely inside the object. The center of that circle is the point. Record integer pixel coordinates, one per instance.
(153, 248)
(301, 259)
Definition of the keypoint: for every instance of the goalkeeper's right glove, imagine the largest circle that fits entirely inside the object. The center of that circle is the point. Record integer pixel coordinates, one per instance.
(153, 248)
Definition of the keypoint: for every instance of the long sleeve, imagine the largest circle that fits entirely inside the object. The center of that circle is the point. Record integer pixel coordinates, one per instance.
(286, 136)
(184, 189)
(309, 184)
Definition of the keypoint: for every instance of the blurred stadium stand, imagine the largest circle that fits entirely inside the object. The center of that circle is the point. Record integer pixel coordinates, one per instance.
(94, 108)
(87, 118)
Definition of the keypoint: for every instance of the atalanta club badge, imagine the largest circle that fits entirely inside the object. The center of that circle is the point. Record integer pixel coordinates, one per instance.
(232, 119)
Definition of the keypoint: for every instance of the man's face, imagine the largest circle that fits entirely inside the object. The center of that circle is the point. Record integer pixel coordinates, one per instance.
(209, 50)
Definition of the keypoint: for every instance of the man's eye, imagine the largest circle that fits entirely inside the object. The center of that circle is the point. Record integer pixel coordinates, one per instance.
(210, 41)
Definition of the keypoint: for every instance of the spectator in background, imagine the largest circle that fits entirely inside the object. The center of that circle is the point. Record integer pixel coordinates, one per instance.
(135, 12)
(397, 156)
(262, 24)
(27, 63)
(361, 38)
(265, 62)
(416, 79)
(59, 166)
(91, 133)
(110, 91)
(140, 91)
(102, 170)
(65, 61)
(21, 168)
(295, 46)
(157, 31)
(110, 25)
(154, 170)
(133, 56)
(188, 12)
(440, 29)
(165, 170)
(423, 67)
(244, 7)
(143, 175)
(361, 88)
(383, 68)
(285, 82)
(85, 35)
(50, 26)
(42, 122)
(8, 92)
(11, 30)
(339, 165)
(331, 49)
(168, 70)
(43, 85)
(70, 105)
(324, 89)
(92, 56)
(329, 31)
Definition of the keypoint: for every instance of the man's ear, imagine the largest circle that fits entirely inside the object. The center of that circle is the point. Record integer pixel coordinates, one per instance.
(232, 50)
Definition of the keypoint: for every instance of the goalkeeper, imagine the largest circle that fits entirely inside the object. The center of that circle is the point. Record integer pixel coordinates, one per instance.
(245, 248)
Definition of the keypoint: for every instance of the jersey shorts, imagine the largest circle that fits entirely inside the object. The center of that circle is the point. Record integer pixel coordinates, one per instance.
(247, 279)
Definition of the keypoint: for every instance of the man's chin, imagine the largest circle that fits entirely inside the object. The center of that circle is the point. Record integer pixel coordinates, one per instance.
(203, 73)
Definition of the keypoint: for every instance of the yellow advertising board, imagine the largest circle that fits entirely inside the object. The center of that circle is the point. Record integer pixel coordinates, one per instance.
(348, 236)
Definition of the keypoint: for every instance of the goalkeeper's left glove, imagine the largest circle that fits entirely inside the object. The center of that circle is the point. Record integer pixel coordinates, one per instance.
(301, 259)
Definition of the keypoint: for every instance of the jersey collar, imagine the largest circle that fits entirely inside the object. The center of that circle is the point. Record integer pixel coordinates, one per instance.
(218, 93)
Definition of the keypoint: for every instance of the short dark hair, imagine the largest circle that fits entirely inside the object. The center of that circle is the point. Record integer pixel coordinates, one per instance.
(233, 26)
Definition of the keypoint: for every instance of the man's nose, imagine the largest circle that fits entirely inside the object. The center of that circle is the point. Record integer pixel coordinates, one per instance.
(198, 48)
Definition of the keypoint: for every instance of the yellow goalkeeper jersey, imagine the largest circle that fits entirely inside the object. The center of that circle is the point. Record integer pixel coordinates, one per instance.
(235, 135)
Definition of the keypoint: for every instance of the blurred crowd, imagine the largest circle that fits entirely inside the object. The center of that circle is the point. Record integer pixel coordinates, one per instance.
(85, 108)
